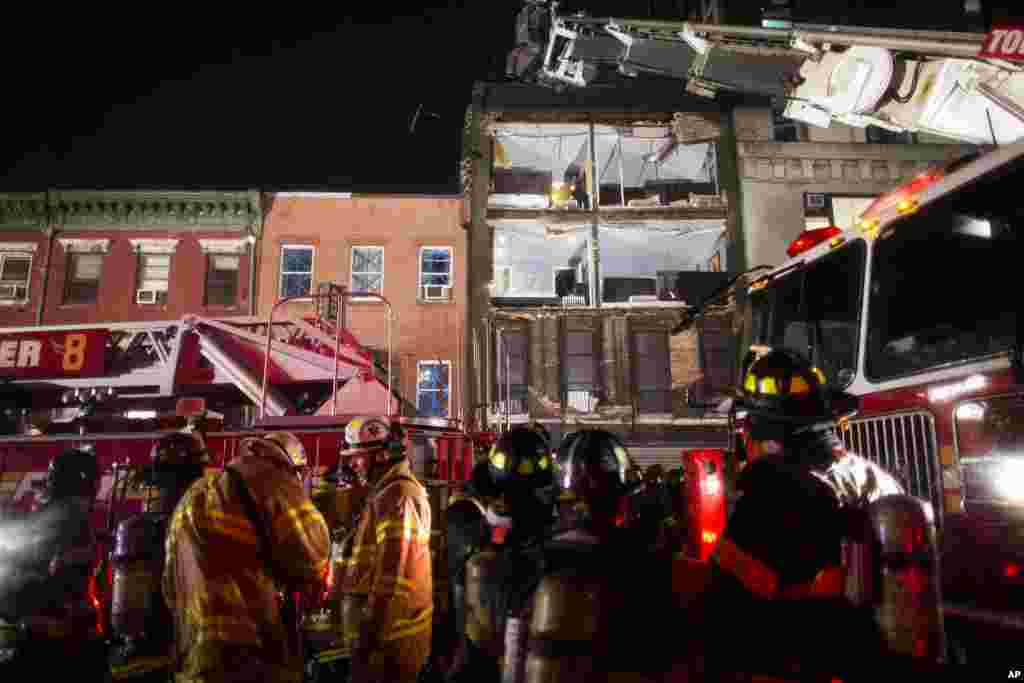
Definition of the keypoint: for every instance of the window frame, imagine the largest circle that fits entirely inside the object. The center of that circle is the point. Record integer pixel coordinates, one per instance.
(352, 270)
(206, 279)
(72, 260)
(28, 278)
(419, 375)
(281, 272)
(451, 267)
(139, 266)
(499, 371)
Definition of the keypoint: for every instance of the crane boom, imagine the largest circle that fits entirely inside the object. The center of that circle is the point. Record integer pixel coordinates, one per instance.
(961, 86)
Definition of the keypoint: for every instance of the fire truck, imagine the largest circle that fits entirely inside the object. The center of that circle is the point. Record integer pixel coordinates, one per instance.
(911, 309)
(116, 388)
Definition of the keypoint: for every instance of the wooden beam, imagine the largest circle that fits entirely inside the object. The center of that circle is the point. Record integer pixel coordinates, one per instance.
(583, 217)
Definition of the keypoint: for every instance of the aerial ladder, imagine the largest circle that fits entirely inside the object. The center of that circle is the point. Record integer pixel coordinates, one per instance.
(967, 87)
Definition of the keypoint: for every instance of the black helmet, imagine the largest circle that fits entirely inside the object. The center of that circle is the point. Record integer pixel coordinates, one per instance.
(593, 454)
(177, 456)
(520, 457)
(542, 431)
(72, 473)
(783, 388)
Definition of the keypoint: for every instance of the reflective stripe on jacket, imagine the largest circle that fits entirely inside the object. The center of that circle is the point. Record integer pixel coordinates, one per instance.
(216, 580)
(761, 580)
(389, 560)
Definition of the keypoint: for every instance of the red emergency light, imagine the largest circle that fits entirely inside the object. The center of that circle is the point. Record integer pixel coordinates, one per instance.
(811, 238)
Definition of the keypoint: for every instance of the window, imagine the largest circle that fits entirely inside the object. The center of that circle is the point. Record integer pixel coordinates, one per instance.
(435, 273)
(368, 269)
(153, 278)
(579, 370)
(432, 388)
(942, 289)
(296, 271)
(15, 271)
(652, 372)
(221, 279)
(815, 311)
(619, 289)
(83, 280)
(512, 384)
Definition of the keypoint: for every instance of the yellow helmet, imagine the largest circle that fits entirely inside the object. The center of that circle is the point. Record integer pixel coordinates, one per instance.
(290, 445)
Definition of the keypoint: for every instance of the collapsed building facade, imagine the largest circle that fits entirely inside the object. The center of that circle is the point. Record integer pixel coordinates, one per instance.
(597, 218)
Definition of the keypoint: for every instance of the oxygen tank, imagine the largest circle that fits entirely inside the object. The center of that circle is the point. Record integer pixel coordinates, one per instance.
(903, 584)
(137, 562)
(480, 626)
(564, 627)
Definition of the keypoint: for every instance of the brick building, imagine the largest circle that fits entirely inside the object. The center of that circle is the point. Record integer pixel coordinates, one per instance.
(76, 257)
(410, 249)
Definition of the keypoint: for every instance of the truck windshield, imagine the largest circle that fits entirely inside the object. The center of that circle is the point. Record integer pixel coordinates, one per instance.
(815, 310)
(943, 285)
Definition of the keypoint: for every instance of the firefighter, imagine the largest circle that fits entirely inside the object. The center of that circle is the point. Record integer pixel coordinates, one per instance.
(241, 542)
(142, 629)
(651, 506)
(468, 532)
(521, 511)
(779, 560)
(389, 566)
(600, 609)
(58, 608)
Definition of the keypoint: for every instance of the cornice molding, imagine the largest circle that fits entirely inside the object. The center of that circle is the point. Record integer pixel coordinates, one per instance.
(23, 210)
(130, 209)
(154, 246)
(219, 246)
(20, 247)
(84, 246)
(798, 162)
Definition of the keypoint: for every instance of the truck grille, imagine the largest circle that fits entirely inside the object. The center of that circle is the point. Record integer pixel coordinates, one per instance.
(903, 445)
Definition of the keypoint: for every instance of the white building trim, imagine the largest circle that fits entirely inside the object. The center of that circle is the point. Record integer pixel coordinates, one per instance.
(216, 246)
(20, 247)
(79, 245)
(154, 246)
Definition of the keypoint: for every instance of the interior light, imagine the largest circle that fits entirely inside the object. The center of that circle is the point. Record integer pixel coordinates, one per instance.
(1008, 480)
(811, 238)
(140, 414)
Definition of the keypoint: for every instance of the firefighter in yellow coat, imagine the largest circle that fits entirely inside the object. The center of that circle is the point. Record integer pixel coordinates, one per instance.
(389, 562)
(239, 539)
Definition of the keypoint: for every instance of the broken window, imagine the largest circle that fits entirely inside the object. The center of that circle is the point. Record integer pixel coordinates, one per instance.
(83, 280)
(15, 272)
(579, 371)
(432, 388)
(368, 269)
(652, 372)
(512, 372)
(221, 280)
(296, 270)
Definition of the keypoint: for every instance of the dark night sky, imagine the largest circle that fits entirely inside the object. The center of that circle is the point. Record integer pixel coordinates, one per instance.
(259, 99)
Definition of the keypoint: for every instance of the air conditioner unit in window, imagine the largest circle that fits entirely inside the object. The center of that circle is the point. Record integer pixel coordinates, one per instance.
(435, 293)
(145, 296)
(15, 292)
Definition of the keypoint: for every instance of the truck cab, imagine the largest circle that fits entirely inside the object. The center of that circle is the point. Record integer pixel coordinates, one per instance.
(913, 309)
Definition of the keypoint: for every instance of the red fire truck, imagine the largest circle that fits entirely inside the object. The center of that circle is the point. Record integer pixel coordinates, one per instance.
(117, 388)
(913, 309)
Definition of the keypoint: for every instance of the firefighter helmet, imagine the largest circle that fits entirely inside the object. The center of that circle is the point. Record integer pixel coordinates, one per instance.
(592, 457)
(520, 456)
(72, 473)
(783, 387)
(654, 474)
(175, 458)
(372, 440)
(290, 445)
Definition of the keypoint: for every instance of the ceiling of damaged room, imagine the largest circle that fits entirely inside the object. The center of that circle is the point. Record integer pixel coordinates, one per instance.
(530, 157)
